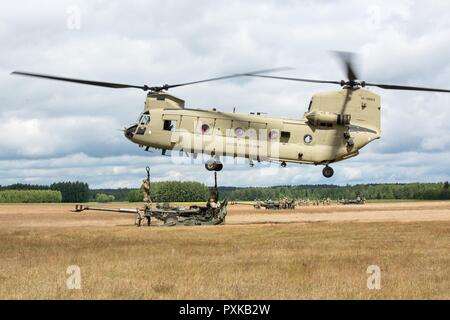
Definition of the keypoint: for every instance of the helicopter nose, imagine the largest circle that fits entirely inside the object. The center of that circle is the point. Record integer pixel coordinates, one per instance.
(129, 132)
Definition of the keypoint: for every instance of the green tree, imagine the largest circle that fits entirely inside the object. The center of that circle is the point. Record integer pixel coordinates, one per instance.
(72, 191)
(102, 197)
(30, 196)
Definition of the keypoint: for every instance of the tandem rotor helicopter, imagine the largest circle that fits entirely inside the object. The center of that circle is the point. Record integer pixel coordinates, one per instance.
(335, 126)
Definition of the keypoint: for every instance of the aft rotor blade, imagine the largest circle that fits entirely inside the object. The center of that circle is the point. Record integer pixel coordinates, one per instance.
(89, 82)
(347, 59)
(165, 87)
(253, 74)
(399, 87)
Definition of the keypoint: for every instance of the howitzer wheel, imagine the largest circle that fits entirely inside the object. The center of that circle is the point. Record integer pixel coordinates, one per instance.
(170, 220)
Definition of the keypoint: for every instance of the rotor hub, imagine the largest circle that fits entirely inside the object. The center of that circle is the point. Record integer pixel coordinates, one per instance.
(352, 84)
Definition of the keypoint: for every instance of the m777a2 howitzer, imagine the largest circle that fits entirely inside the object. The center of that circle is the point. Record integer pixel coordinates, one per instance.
(213, 213)
(172, 216)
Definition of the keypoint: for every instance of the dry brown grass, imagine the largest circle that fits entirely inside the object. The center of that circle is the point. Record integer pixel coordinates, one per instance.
(262, 261)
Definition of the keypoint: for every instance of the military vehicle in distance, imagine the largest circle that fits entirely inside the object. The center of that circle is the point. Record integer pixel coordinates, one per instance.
(274, 205)
(358, 200)
(270, 204)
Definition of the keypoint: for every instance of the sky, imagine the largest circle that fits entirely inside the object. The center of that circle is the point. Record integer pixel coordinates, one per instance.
(56, 131)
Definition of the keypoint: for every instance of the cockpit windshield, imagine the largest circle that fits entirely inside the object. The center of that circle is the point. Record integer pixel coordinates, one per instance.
(144, 119)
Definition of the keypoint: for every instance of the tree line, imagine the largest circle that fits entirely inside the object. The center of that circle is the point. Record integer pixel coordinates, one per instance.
(412, 191)
(30, 196)
(164, 191)
(171, 191)
(68, 191)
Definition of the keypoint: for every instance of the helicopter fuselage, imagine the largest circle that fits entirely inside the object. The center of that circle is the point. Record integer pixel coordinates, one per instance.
(335, 127)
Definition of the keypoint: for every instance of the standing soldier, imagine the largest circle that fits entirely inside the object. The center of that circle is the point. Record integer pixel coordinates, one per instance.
(282, 203)
(146, 188)
(147, 200)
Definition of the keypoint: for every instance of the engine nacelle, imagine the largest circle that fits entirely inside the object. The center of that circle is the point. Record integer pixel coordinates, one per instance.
(321, 118)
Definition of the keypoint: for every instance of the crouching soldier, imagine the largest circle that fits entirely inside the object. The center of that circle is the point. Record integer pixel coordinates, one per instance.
(212, 200)
(139, 217)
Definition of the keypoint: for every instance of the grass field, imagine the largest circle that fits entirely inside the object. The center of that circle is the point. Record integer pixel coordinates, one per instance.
(308, 253)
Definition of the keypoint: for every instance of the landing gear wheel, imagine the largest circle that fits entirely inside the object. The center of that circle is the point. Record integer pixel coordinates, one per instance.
(283, 164)
(327, 172)
(219, 166)
(210, 165)
(213, 165)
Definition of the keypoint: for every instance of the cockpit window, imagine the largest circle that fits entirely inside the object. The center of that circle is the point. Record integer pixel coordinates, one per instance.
(145, 119)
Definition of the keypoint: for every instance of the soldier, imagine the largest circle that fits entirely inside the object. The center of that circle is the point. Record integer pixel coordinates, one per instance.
(282, 203)
(139, 217)
(147, 201)
(212, 201)
(146, 187)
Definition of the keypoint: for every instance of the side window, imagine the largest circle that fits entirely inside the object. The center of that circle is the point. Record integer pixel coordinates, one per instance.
(169, 125)
(284, 137)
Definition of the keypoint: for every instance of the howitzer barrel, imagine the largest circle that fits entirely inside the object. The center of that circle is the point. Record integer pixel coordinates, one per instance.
(244, 203)
(80, 207)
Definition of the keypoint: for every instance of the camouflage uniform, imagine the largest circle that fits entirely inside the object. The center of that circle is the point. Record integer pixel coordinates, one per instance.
(147, 202)
(284, 203)
(212, 203)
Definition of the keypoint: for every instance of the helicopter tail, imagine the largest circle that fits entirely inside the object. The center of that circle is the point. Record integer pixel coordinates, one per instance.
(356, 107)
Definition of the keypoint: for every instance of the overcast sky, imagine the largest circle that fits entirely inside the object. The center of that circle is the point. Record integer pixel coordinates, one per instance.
(55, 131)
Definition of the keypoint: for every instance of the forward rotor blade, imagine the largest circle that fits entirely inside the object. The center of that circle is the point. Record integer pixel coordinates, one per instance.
(292, 79)
(399, 87)
(144, 87)
(226, 77)
(89, 82)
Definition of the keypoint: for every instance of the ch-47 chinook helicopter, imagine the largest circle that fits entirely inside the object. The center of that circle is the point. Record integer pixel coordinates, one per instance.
(335, 127)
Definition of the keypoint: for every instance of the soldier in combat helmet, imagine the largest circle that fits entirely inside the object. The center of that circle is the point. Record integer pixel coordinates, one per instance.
(147, 200)
(212, 200)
